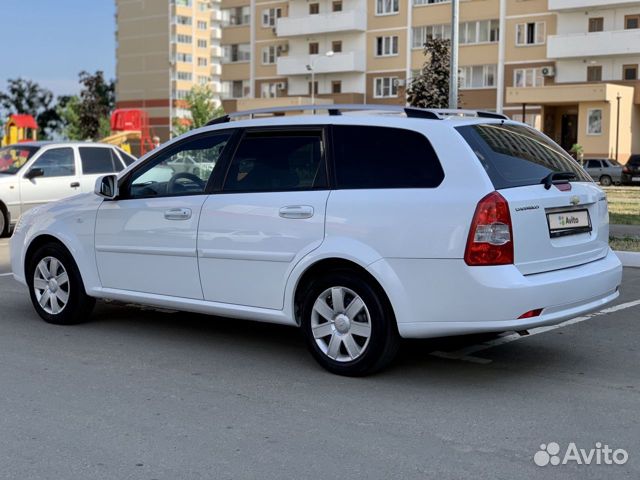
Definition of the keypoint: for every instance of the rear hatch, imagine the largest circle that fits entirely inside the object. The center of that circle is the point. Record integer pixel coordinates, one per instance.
(562, 224)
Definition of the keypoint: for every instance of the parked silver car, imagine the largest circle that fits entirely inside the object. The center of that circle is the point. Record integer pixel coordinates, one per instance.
(603, 170)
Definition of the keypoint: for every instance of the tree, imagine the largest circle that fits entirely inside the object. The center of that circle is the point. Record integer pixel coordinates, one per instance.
(86, 116)
(26, 96)
(430, 89)
(202, 109)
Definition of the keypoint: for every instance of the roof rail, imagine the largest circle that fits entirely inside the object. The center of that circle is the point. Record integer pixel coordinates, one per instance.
(337, 109)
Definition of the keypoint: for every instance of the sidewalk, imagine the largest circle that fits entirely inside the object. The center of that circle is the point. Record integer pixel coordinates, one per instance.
(624, 231)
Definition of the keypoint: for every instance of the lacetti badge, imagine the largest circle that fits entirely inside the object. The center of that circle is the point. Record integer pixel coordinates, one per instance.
(575, 200)
(528, 207)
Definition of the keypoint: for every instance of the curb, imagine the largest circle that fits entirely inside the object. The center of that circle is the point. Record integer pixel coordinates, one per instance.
(629, 259)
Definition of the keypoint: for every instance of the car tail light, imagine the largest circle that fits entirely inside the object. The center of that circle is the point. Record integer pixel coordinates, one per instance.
(625, 169)
(490, 239)
(531, 313)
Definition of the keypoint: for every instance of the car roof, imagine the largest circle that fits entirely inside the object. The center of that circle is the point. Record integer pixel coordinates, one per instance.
(49, 143)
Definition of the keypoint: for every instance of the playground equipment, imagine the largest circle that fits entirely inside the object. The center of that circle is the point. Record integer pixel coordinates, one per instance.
(19, 128)
(130, 125)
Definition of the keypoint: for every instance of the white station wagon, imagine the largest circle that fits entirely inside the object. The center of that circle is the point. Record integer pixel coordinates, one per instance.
(358, 228)
(35, 173)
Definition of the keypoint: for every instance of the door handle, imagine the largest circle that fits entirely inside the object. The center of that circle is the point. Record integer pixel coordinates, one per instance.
(75, 184)
(297, 211)
(178, 214)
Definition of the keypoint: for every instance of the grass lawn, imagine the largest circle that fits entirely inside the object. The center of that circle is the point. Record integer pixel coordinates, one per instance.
(624, 205)
(626, 244)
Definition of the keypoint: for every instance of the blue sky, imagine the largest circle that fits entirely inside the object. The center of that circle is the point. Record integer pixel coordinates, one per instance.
(51, 41)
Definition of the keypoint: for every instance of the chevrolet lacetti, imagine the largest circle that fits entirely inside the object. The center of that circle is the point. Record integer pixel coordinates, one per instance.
(359, 227)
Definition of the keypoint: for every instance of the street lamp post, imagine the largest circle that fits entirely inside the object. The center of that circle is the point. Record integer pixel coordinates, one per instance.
(453, 68)
(311, 68)
(618, 97)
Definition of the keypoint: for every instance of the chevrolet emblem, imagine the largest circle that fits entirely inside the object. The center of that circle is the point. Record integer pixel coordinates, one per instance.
(575, 200)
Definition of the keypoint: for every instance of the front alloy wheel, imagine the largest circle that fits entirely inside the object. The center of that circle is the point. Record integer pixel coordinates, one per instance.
(51, 285)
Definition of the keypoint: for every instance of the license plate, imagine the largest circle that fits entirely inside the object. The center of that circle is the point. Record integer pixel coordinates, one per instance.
(568, 222)
(635, 179)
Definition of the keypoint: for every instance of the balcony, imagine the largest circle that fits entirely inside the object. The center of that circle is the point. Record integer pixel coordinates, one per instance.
(339, 62)
(596, 44)
(348, 21)
(588, 4)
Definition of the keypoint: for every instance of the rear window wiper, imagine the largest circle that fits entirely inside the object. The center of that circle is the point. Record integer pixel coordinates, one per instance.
(562, 177)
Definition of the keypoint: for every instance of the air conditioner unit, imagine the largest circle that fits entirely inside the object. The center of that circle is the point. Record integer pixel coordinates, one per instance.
(548, 72)
(399, 82)
(284, 48)
(281, 85)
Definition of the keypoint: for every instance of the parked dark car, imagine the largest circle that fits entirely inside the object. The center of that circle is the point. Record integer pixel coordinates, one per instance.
(631, 170)
(603, 170)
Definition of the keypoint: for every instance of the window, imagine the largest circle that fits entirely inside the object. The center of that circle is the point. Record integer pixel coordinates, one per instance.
(235, 89)
(236, 53)
(314, 48)
(631, 22)
(594, 164)
(380, 157)
(596, 24)
(531, 119)
(184, 38)
(482, 31)
(184, 57)
(127, 158)
(277, 161)
(236, 16)
(183, 20)
(56, 162)
(594, 121)
(528, 77)
(203, 62)
(386, 46)
(532, 33)
(203, 79)
(202, 43)
(315, 88)
(270, 54)
(183, 169)
(419, 35)
(630, 72)
(429, 2)
(336, 6)
(202, 6)
(180, 94)
(336, 46)
(269, 89)
(385, 87)
(188, 76)
(202, 25)
(182, 3)
(516, 155)
(478, 76)
(99, 160)
(387, 7)
(336, 86)
(270, 16)
(594, 73)
(314, 8)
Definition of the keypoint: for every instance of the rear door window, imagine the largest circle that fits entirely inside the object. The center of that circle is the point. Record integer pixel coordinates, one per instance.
(278, 161)
(57, 162)
(99, 160)
(516, 155)
(381, 157)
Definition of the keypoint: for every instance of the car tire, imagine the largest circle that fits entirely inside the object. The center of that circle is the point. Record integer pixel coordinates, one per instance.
(4, 222)
(56, 287)
(348, 324)
(605, 181)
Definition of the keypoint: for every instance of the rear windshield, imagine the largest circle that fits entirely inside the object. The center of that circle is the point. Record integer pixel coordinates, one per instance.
(516, 155)
(14, 157)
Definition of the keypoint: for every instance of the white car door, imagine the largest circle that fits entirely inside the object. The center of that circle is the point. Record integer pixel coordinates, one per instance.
(269, 214)
(145, 240)
(95, 161)
(52, 175)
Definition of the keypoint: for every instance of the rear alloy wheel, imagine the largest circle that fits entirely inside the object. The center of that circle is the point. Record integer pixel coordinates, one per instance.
(605, 181)
(56, 288)
(348, 325)
(4, 224)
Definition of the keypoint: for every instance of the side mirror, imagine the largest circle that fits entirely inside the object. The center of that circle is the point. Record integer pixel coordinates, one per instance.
(107, 186)
(33, 173)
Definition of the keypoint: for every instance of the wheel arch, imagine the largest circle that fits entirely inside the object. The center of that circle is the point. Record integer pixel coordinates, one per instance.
(335, 263)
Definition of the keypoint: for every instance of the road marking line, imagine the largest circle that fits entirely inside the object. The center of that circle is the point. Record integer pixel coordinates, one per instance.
(465, 354)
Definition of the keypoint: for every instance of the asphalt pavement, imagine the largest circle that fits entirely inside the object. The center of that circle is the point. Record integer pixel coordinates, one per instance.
(142, 394)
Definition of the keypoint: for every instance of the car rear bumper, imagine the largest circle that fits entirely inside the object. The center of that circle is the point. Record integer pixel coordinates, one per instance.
(434, 298)
(629, 177)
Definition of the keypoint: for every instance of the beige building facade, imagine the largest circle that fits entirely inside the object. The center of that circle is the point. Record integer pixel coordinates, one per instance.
(164, 48)
(539, 61)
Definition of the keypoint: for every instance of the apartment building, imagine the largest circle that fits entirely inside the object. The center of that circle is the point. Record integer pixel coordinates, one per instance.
(164, 48)
(558, 65)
